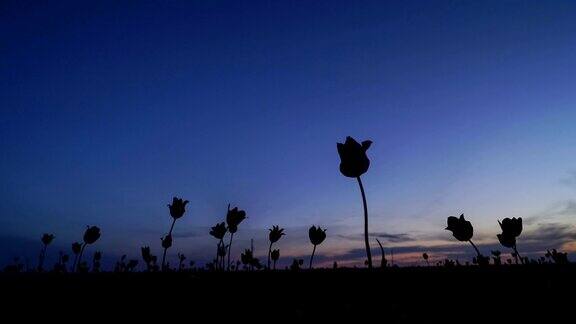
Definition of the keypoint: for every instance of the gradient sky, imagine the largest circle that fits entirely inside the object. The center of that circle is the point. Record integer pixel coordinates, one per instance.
(110, 108)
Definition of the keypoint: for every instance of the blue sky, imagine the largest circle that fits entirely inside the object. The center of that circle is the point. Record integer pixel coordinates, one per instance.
(109, 109)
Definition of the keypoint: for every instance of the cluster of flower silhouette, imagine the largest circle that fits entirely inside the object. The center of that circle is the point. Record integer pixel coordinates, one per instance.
(353, 164)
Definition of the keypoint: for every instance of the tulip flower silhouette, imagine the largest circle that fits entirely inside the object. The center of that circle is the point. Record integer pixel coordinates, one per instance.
(353, 164)
(274, 236)
(234, 217)
(462, 230)
(275, 256)
(511, 229)
(181, 258)
(425, 257)
(147, 257)
(317, 235)
(177, 210)
(46, 240)
(91, 235)
(219, 231)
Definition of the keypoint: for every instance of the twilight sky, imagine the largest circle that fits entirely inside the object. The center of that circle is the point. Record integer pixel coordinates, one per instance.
(109, 108)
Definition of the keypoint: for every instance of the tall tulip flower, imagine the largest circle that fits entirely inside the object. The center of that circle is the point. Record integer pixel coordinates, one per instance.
(177, 210)
(353, 164)
(46, 240)
(275, 234)
(317, 235)
(91, 235)
(234, 217)
(463, 231)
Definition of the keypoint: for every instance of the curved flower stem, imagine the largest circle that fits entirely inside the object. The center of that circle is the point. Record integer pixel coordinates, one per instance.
(312, 257)
(366, 242)
(42, 257)
(79, 258)
(475, 248)
(518, 254)
(269, 253)
(382, 264)
(229, 250)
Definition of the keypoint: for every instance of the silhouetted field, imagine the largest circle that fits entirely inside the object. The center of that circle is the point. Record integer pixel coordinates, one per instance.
(394, 295)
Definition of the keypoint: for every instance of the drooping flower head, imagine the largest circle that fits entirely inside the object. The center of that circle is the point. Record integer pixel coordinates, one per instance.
(317, 235)
(167, 241)
(47, 238)
(233, 218)
(353, 159)
(92, 234)
(219, 231)
(460, 228)
(275, 233)
(178, 207)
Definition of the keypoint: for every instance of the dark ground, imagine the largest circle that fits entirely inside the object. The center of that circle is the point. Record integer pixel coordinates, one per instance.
(542, 293)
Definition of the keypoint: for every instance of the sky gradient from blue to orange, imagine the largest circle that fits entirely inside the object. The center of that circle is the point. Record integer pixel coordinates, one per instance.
(109, 109)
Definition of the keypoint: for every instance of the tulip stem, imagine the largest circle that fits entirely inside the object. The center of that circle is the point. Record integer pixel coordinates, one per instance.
(229, 250)
(76, 264)
(42, 257)
(269, 253)
(518, 254)
(366, 242)
(312, 256)
(166, 249)
(475, 248)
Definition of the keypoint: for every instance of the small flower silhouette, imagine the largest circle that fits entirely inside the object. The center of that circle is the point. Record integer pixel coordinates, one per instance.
(96, 261)
(46, 240)
(167, 241)
(274, 236)
(91, 235)
(275, 255)
(317, 235)
(426, 257)
(463, 231)
(353, 163)
(76, 249)
(178, 207)
(234, 217)
(511, 229)
(218, 232)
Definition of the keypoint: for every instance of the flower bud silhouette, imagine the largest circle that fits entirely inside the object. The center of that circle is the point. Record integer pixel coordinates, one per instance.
(275, 233)
(219, 230)
(46, 240)
(463, 231)
(76, 248)
(353, 159)
(353, 163)
(275, 255)
(147, 257)
(511, 229)
(274, 236)
(234, 217)
(178, 207)
(167, 241)
(317, 235)
(91, 235)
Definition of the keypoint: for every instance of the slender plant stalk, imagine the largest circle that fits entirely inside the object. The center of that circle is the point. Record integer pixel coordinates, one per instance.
(383, 254)
(475, 248)
(79, 259)
(166, 249)
(366, 242)
(229, 250)
(269, 253)
(42, 257)
(312, 257)
(518, 255)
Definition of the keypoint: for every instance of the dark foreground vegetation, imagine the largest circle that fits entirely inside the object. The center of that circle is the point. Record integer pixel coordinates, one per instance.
(461, 294)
